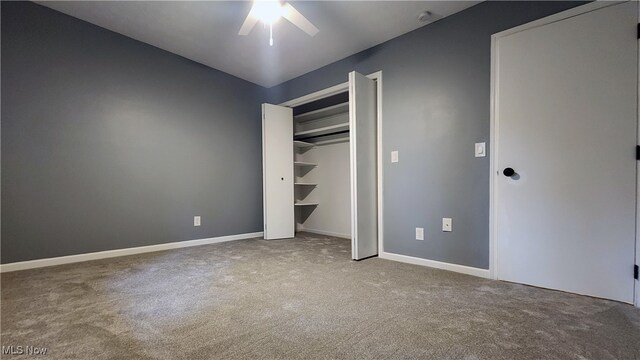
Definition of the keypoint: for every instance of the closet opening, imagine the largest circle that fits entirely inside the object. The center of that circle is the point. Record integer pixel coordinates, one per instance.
(322, 170)
(320, 158)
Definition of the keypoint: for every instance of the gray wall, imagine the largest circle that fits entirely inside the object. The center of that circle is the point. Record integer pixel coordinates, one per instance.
(435, 107)
(110, 143)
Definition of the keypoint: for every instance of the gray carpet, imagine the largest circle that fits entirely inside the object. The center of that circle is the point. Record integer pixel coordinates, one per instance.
(300, 298)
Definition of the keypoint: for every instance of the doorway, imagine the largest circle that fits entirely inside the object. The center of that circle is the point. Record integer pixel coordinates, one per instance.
(564, 133)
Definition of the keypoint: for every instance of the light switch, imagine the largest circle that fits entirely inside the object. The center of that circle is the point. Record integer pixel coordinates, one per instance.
(394, 156)
(196, 221)
(419, 233)
(481, 150)
(446, 224)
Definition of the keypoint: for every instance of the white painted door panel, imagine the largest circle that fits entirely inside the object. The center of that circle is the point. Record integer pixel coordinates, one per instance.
(566, 98)
(363, 142)
(277, 162)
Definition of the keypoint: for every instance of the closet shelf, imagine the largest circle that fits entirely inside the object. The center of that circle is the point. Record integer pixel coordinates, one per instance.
(302, 163)
(305, 184)
(302, 144)
(306, 204)
(322, 113)
(323, 130)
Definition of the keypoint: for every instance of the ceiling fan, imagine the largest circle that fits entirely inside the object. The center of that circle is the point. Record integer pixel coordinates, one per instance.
(269, 12)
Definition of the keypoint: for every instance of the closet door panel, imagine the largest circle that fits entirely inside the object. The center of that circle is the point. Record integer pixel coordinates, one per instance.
(363, 142)
(277, 167)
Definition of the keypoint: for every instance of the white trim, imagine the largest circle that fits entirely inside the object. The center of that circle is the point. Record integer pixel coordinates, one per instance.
(32, 264)
(637, 259)
(336, 89)
(377, 76)
(494, 136)
(264, 175)
(353, 145)
(483, 273)
(321, 94)
(579, 10)
(327, 233)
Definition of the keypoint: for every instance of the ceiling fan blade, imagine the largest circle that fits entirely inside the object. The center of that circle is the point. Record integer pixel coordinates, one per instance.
(249, 23)
(297, 19)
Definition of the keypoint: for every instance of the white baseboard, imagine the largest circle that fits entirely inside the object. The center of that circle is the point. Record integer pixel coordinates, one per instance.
(328, 233)
(483, 273)
(32, 264)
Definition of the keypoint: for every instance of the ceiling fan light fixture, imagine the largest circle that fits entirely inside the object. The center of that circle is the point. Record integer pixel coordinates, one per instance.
(267, 11)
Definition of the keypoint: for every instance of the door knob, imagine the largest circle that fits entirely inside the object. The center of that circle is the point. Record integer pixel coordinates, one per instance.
(508, 172)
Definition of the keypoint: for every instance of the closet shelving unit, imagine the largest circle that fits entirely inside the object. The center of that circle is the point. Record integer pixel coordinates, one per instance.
(323, 131)
(311, 129)
(301, 146)
(321, 123)
(322, 113)
(303, 163)
(306, 204)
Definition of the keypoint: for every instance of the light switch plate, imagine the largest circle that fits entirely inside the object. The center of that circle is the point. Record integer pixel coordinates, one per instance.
(481, 150)
(196, 221)
(419, 233)
(394, 156)
(446, 224)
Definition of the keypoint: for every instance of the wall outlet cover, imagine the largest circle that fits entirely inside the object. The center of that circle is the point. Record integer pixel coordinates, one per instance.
(394, 156)
(196, 221)
(419, 233)
(480, 149)
(447, 225)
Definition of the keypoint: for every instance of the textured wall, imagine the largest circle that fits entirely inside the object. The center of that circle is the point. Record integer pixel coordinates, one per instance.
(435, 107)
(110, 143)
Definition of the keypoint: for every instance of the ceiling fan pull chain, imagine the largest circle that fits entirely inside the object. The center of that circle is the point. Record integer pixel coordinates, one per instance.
(270, 34)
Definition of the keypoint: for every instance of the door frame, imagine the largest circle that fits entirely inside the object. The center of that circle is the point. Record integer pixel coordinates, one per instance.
(494, 135)
(342, 87)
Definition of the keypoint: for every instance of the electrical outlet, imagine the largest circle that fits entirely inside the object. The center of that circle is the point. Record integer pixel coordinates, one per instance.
(419, 233)
(446, 224)
(196, 221)
(394, 156)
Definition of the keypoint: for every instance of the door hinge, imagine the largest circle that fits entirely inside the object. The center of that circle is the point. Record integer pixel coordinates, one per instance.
(637, 152)
(635, 272)
(638, 31)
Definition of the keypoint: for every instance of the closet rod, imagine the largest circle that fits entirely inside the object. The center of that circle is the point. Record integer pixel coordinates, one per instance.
(323, 135)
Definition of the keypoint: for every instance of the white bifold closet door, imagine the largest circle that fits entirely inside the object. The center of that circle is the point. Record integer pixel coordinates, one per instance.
(363, 142)
(566, 130)
(277, 167)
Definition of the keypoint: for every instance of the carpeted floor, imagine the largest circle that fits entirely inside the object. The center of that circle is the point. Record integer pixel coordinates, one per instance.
(300, 298)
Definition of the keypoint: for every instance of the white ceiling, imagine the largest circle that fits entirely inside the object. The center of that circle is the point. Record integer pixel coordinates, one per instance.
(207, 31)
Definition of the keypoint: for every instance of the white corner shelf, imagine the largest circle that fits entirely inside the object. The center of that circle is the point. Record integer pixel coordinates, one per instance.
(306, 204)
(305, 184)
(302, 145)
(322, 113)
(324, 130)
(302, 163)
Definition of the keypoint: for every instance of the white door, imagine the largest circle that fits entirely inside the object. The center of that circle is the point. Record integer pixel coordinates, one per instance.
(363, 142)
(277, 167)
(565, 122)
